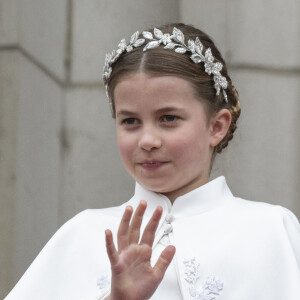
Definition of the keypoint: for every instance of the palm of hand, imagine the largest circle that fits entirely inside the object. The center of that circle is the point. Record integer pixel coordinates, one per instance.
(133, 277)
(135, 274)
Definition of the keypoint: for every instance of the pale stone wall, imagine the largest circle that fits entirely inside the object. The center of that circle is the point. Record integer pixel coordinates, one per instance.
(57, 135)
(58, 152)
(8, 21)
(9, 93)
(8, 130)
(260, 41)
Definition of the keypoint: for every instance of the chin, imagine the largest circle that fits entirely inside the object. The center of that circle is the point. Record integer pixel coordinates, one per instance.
(156, 187)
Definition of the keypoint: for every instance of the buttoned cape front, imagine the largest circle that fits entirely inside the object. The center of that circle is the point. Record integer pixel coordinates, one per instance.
(227, 248)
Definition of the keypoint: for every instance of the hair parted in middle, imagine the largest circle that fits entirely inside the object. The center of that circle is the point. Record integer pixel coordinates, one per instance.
(164, 62)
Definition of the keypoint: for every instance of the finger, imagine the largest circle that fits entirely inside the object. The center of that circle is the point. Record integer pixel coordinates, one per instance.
(164, 261)
(149, 232)
(135, 225)
(122, 236)
(110, 247)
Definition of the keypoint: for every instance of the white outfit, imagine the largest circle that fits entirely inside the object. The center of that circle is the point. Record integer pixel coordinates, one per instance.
(227, 248)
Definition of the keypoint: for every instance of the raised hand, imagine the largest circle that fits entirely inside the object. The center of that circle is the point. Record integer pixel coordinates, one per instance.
(133, 277)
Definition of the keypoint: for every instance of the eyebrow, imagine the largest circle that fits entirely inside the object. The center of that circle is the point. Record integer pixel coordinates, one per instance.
(125, 113)
(161, 110)
(169, 109)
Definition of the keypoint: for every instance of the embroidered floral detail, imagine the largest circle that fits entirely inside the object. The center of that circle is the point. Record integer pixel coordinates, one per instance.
(192, 271)
(209, 291)
(103, 281)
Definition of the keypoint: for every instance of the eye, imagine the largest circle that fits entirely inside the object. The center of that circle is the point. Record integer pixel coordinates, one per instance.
(169, 118)
(130, 121)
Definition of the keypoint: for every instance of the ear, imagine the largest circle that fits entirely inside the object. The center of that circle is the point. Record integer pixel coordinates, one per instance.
(219, 125)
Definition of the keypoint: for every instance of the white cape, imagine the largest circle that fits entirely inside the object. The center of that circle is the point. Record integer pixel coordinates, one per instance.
(227, 248)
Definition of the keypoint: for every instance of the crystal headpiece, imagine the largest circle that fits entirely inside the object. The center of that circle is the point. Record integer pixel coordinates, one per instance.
(174, 41)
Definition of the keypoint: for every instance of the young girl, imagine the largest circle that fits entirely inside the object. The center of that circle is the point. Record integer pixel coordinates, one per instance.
(180, 236)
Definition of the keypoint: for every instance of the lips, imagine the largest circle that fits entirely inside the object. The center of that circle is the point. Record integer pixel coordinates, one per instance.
(152, 164)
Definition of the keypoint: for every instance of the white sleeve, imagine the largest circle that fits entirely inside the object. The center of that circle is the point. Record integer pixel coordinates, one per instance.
(291, 227)
(70, 264)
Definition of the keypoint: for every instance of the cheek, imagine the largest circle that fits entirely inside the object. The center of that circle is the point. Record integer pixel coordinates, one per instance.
(189, 147)
(125, 145)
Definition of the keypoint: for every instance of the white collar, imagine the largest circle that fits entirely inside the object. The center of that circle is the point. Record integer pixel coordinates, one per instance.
(202, 199)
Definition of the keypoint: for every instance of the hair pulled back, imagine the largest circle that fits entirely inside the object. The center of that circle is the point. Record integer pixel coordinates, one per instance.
(163, 62)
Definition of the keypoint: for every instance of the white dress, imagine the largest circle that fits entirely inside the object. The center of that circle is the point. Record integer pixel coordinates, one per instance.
(227, 248)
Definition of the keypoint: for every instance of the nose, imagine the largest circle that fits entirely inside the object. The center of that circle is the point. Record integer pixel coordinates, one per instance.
(150, 140)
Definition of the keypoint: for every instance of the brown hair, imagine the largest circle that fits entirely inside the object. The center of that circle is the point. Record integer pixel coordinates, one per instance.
(160, 61)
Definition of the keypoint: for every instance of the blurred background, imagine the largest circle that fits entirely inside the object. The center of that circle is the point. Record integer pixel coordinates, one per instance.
(58, 153)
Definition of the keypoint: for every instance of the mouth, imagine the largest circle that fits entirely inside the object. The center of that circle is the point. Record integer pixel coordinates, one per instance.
(152, 164)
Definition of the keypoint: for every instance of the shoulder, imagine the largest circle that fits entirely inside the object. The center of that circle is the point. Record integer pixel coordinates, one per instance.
(267, 217)
(86, 225)
(92, 215)
(90, 219)
(264, 210)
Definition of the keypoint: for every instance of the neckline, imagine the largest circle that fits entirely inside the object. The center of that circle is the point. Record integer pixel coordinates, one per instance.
(197, 201)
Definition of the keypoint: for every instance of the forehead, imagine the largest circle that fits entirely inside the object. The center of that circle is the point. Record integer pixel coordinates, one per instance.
(141, 87)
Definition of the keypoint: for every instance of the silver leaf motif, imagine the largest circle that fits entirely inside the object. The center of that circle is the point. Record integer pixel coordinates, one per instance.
(191, 45)
(180, 50)
(166, 39)
(122, 45)
(147, 35)
(158, 33)
(196, 58)
(134, 37)
(208, 55)
(170, 46)
(223, 82)
(120, 51)
(151, 45)
(208, 67)
(217, 68)
(225, 95)
(178, 35)
(198, 46)
(129, 48)
(139, 43)
(217, 87)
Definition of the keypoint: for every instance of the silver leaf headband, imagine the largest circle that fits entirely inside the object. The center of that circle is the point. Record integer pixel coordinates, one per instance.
(174, 41)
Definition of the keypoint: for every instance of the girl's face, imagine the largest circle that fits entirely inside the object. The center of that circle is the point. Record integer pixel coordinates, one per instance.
(164, 136)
